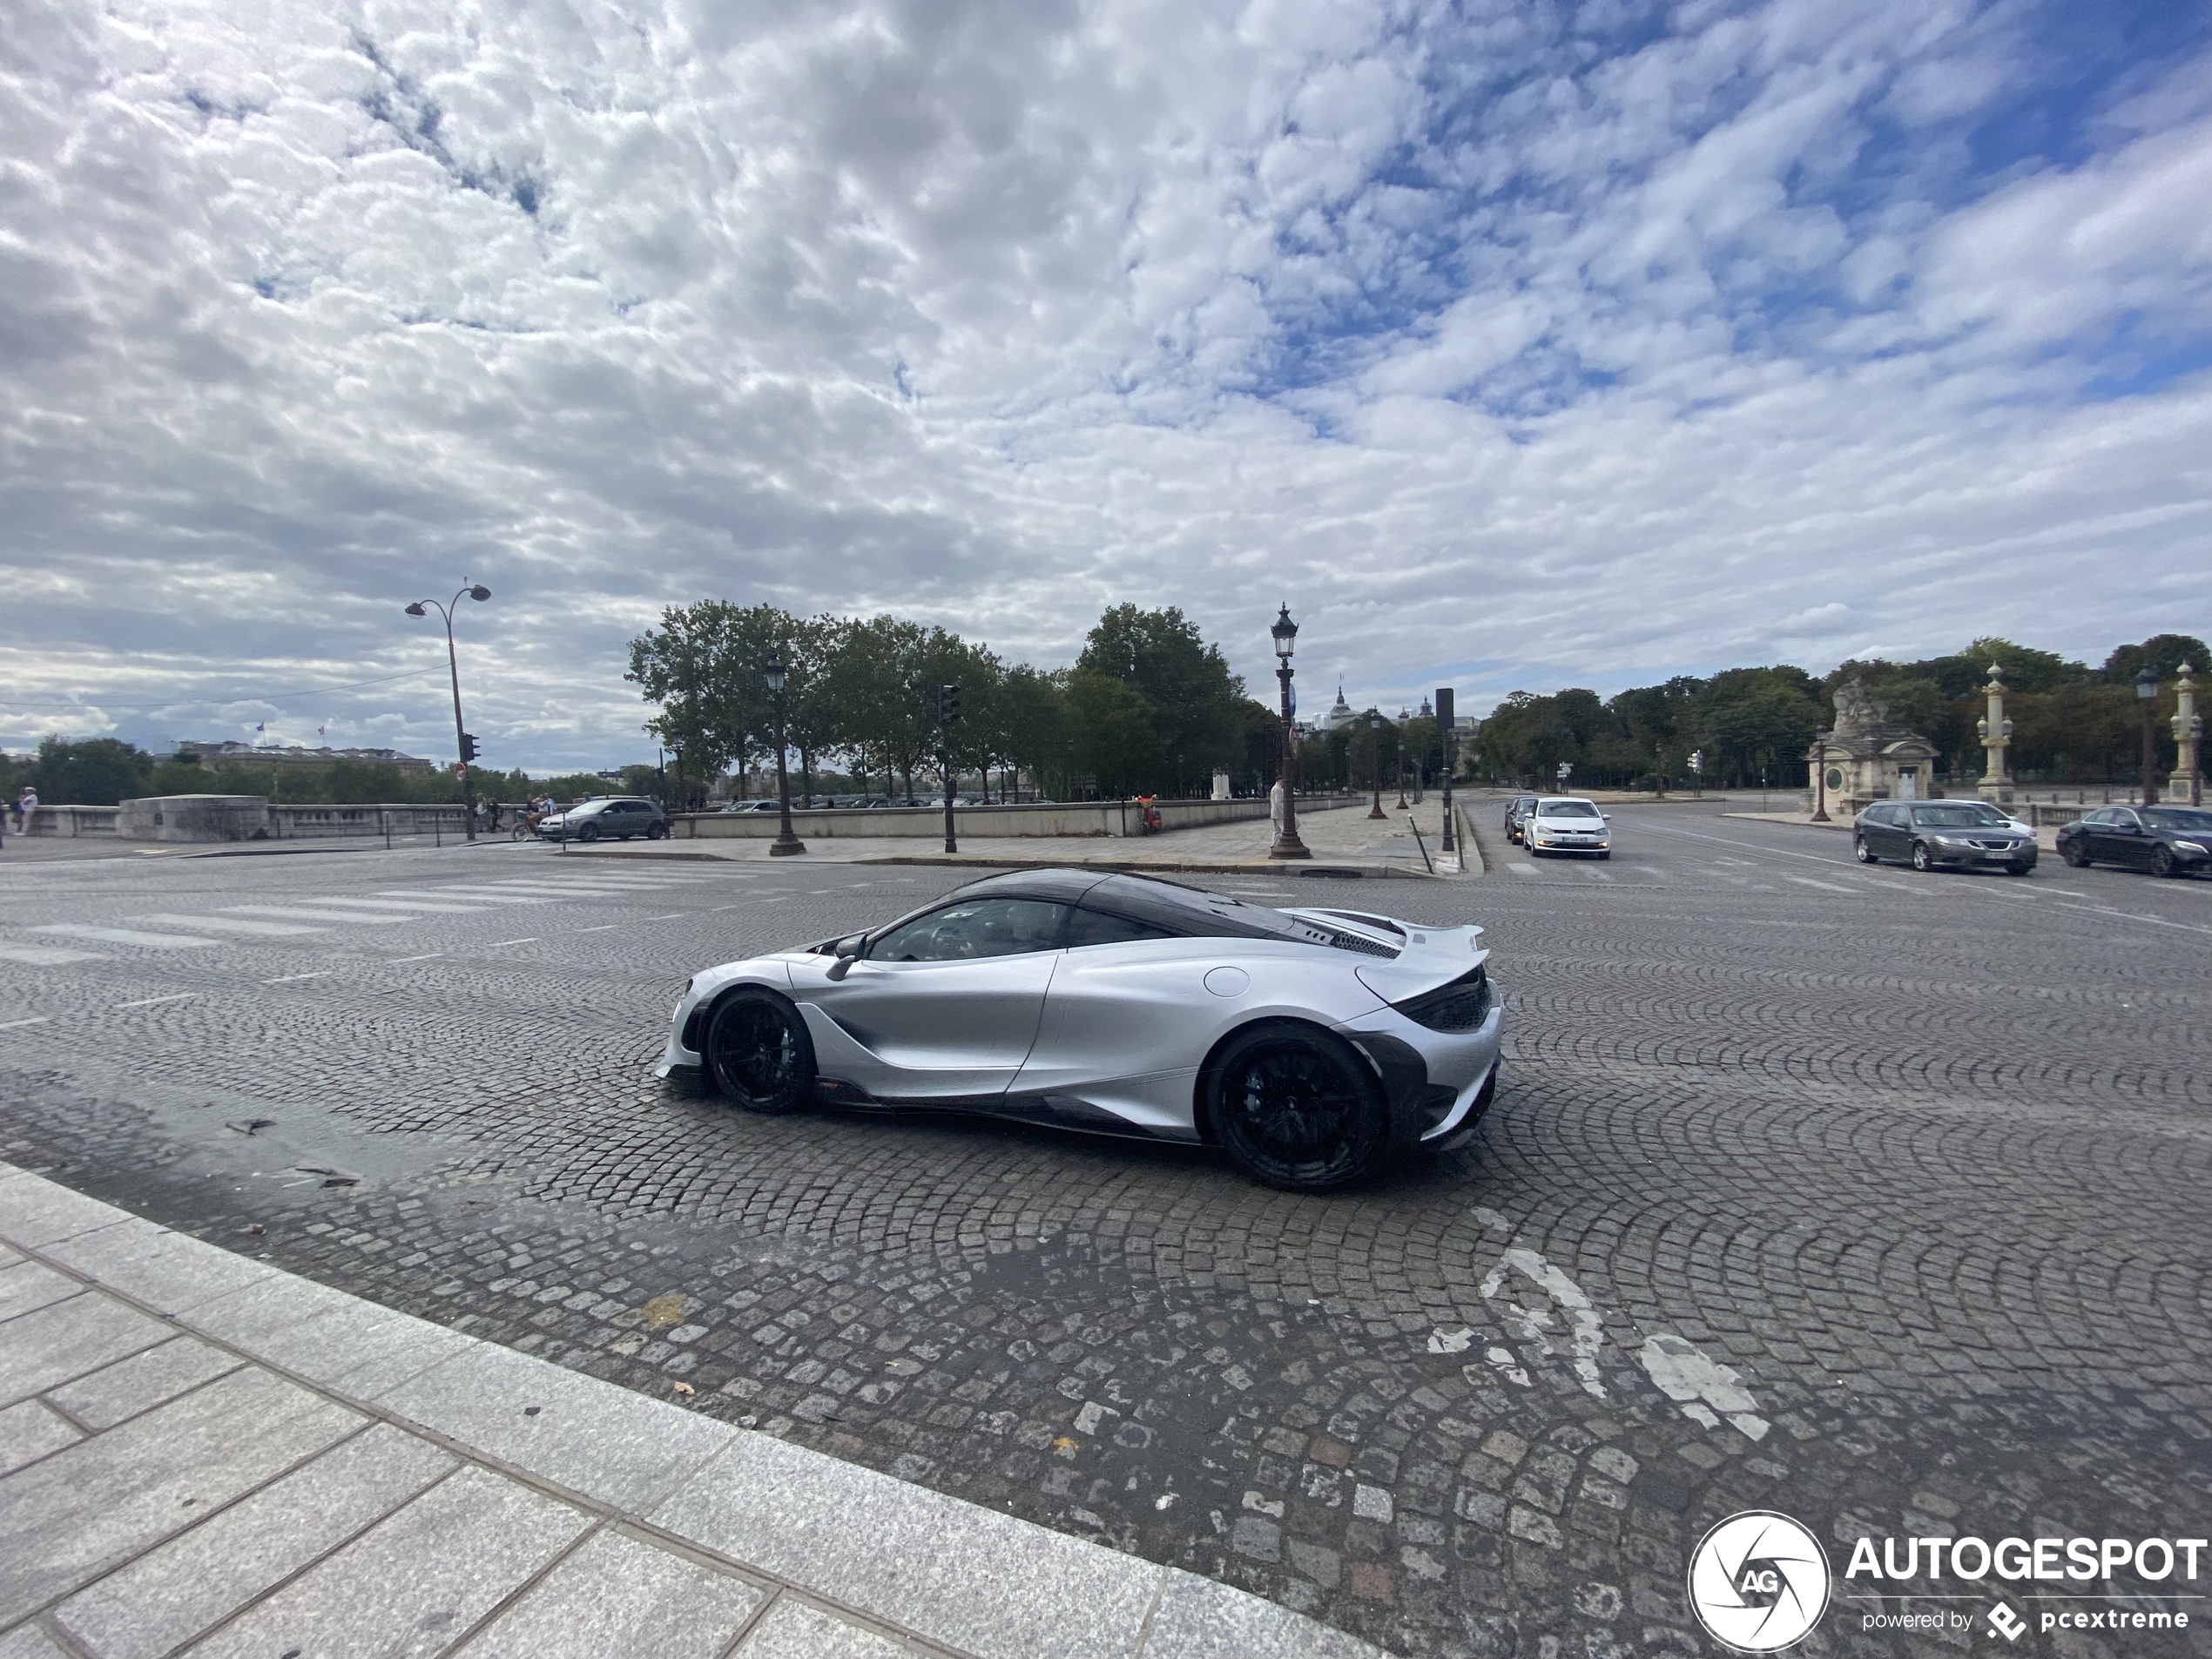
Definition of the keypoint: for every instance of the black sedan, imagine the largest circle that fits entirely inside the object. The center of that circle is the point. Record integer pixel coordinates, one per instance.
(1517, 812)
(2166, 840)
(1924, 833)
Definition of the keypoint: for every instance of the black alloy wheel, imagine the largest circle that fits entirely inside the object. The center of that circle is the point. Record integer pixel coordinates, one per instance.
(759, 1053)
(588, 833)
(1296, 1107)
(2162, 862)
(1864, 852)
(2076, 854)
(1921, 861)
(655, 832)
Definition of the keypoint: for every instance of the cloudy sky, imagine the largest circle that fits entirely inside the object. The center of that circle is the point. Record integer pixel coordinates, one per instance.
(1515, 344)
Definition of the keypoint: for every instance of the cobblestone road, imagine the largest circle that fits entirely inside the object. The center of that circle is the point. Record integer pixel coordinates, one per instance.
(1871, 1197)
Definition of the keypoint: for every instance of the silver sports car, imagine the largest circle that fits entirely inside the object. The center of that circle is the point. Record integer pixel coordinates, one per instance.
(1312, 1046)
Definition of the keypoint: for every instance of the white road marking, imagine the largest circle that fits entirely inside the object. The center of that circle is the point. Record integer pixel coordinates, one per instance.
(232, 925)
(10, 1025)
(1596, 874)
(393, 904)
(150, 1001)
(476, 895)
(424, 957)
(603, 927)
(46, 956)
(497, 944)
(126, 936)
(1701, 1385)
(1522, 869)
(671, 916)
(1825, 887)
(293, 912)
(287, 979)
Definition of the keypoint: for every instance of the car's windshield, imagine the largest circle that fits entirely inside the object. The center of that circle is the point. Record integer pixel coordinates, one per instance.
(1965, 814)
(1567, 809)
(975, 928)
(2178, 817)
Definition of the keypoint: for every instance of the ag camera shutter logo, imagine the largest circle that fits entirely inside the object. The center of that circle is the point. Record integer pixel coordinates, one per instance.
(1758, 1582)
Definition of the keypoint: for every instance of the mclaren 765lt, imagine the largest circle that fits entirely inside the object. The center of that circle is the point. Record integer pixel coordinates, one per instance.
(1312, 1046)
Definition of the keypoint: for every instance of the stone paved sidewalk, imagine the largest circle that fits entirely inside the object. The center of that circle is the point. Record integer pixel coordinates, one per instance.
(201, 1454)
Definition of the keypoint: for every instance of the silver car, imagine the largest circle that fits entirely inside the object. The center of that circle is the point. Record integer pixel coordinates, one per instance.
(1312, 1046)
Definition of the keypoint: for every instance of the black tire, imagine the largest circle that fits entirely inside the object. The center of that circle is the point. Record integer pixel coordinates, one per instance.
(655, 832)
(2075, 854)
(1864, 852)
(587, 834)
(1296, 1107)
(758, 1053)
(2163, 863)
(1921, 861)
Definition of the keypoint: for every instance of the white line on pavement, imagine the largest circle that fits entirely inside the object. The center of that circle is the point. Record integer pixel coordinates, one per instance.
(424, 957)
(1825, 887)
(498, 943)
(36, 1019)
(294, 913)
(46, 956)
(603, 927)
(393, 904)
(124, 936)
(233, 925)
(149, 1001)
(287, 979)
(476, 895)
(671, 916)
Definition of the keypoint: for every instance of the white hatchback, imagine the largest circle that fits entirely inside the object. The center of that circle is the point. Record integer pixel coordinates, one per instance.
(1568, 824)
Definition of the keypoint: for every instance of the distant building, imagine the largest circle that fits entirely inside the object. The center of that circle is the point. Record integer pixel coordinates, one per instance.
(245, 754)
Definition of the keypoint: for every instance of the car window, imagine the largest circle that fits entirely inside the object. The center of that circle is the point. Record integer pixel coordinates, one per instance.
(972, 930)
(2178, 817)
(2122, 819)
(1570, 809)
(1959, 815)
(1097, 928)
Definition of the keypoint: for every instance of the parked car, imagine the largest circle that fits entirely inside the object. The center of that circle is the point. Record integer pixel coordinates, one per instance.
(613, 817)
(1566, 824)
(752, 807)
(1926, 834)
(2166, 840)
(1516, 810)
(1312, 1046)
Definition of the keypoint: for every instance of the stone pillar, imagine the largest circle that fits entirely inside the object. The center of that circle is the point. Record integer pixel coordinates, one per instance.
(1996, 734)
(2186, 784)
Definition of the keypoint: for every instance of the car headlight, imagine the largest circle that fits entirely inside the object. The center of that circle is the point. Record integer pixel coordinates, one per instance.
(1948, 840)
(2197, 848)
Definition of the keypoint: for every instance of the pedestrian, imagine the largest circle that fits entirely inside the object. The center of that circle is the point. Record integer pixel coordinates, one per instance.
(1275, 808)
(26, 803)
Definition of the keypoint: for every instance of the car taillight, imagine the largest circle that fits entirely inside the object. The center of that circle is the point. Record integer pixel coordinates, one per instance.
(1461, 1006)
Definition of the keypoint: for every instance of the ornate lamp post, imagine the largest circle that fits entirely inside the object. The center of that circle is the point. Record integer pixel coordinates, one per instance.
(463, 741)
(1375, 723)
(1287, 845)
(1820, 783)
(2146, 695)
(1403, 717)
(2188, 732)
(1996, 733)
(785, 843)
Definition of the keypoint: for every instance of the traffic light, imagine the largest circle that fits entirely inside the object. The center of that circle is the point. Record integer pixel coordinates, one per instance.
(947, 705)
(468, 747)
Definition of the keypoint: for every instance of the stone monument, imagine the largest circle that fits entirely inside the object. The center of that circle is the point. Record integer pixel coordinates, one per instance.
(2187, 783)
(1867, 756)
(1996, 734)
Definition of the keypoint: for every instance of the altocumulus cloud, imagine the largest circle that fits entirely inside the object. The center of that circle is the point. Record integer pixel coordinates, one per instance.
(1512, 344)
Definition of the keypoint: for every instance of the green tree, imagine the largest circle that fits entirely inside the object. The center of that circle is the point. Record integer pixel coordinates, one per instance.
(92, 771)
(1114, 743)
(1185, 683)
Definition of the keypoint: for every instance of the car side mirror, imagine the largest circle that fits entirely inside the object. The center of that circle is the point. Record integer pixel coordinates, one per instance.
(1605, 818)
(849, 952)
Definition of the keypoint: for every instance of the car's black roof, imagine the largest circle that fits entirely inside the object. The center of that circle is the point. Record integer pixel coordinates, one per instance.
(1166, 905)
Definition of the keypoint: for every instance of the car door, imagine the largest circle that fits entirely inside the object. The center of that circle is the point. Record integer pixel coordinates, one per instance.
(2124, 841)
(942, 1007)
(1881, 832)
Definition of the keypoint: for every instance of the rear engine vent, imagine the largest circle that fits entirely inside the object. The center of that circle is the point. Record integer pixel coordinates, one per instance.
(1461, 1006)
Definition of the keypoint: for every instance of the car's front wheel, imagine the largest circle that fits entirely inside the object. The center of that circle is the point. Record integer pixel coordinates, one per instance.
(1921, 861)
(587, 834)
(758, 1052)
(2076, 855)
(1296, 1107)
(2162, 862)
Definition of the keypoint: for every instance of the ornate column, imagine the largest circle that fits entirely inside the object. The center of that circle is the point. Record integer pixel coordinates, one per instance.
(1996, 734)
(2187, 783)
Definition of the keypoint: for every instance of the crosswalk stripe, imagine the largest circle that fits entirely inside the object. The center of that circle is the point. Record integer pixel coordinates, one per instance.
(45, 956)
(1522, 869)
(235, 925)
(1825, 887)
(579, 892)
(475, 895)
(390, 904)
(36, 1019)
(124, 936)
(293, 912)
(151, 1001)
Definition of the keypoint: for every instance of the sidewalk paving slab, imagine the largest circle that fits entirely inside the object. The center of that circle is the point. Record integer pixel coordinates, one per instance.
(206, 1454)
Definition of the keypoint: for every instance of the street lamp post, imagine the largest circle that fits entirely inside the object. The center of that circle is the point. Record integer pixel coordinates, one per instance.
(1404, 715)
(2147, 694)
(1375, 723)
(463, 741)
(785, 843)
(1287, 845)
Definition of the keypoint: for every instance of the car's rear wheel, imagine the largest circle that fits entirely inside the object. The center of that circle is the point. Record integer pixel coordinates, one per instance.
(1921, 861)
(758, 1052)
(655, 832)
(1864, 853)
(588, 833)
(2162, 862)
(1296, 1107)
(2075, 854)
